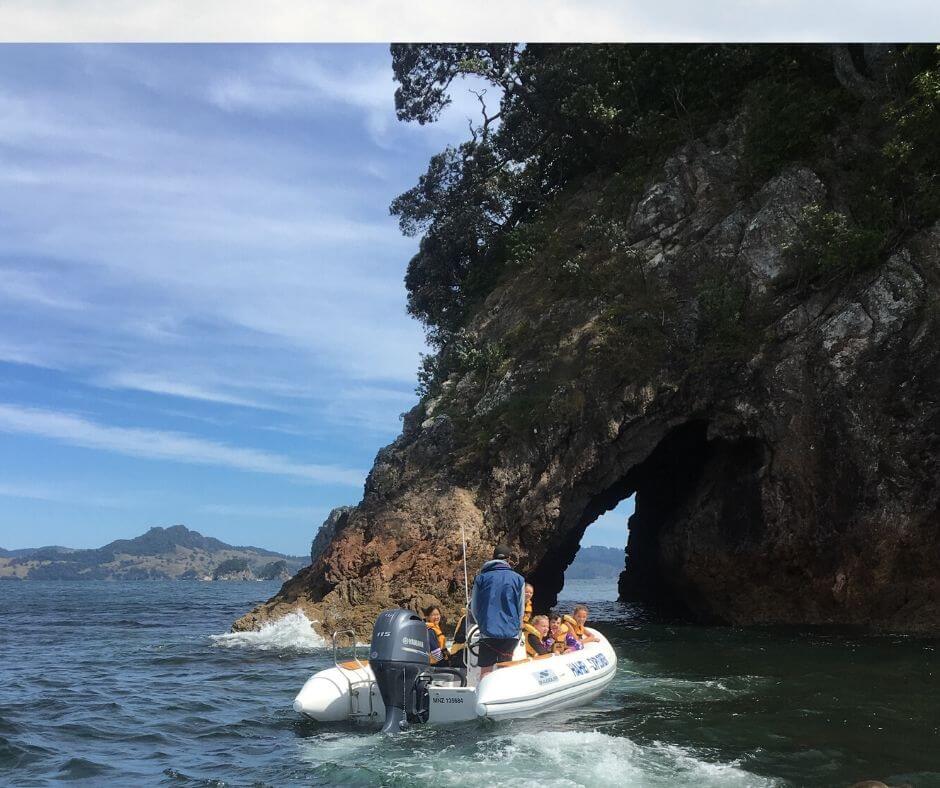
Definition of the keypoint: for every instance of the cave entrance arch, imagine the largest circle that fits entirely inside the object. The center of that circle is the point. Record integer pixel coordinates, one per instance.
(672, 479)
(599, 560)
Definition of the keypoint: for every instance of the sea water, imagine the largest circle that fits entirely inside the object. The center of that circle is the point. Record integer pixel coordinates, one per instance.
(140, 684)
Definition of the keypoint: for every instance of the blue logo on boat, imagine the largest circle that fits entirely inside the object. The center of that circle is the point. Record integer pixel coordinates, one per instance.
(545, 677)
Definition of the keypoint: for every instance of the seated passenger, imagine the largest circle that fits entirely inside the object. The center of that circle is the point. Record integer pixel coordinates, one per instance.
(563, 641)
(536, 638)
(528, 591)
(458, 650)
(437, 643)
(576, 624)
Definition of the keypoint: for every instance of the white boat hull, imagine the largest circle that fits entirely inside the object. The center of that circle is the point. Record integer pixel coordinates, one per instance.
(348, 692)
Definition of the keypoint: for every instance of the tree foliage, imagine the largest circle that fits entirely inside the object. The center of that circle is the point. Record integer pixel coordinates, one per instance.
(554, 115)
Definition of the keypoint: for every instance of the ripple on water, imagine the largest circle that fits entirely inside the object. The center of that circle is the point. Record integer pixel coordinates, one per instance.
(82, 769)
(14, 756)
(666, 688)
(180, 778)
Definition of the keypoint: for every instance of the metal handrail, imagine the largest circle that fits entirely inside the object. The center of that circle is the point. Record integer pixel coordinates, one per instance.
(355, 646)
(351, 633)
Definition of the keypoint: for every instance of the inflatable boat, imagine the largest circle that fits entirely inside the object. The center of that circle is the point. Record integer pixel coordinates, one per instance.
(397, 687)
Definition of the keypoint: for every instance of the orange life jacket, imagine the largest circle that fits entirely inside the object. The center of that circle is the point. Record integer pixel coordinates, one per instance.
(441, 640)
(559, 646)
(576, 629)
(527, 613)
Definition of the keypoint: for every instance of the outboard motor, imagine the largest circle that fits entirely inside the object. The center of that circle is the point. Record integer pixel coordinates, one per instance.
(399, 653)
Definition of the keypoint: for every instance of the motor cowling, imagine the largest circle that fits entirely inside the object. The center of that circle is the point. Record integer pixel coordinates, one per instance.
(399, 652)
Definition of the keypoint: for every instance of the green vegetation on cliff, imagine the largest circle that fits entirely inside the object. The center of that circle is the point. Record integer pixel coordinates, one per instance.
(562, 155)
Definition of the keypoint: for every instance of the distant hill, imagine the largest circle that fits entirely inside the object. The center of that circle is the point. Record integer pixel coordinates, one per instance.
(596, 563)
(174, 553)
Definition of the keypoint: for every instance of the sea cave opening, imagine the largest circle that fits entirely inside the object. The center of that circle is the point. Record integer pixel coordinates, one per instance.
(647, 497)
(599, 561)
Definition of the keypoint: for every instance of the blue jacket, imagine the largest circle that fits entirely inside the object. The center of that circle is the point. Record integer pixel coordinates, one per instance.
(497, 600)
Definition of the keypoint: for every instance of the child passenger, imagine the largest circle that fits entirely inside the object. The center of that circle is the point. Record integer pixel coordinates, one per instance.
(538, 643)
(580, 616)
(563, 640)
(528, 591)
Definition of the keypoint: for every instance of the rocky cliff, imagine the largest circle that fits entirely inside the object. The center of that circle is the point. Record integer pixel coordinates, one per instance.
(734, 351)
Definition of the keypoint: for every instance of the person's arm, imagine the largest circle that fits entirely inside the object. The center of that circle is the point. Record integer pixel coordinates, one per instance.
(537, 645)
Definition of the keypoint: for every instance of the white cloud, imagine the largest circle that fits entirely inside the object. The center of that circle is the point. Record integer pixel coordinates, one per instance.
(56, 494)
(159, 445)
(157, 384)
(34, 288)
(463, 20)
(236, 267)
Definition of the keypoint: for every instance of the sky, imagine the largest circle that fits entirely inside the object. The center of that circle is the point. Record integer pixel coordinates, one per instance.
(471, 20)
(202, 309)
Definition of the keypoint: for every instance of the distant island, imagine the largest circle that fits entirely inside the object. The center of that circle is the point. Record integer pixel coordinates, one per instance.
(174, 553)
(596, 563)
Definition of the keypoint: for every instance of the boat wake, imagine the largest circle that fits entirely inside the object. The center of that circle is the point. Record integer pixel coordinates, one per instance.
(601, 759)
(539, 759)
(293, 632)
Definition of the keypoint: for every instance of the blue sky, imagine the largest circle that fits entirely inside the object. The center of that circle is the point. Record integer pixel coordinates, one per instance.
(202, 314)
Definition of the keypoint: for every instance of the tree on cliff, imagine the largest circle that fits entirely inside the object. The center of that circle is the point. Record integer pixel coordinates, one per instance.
(565, 112)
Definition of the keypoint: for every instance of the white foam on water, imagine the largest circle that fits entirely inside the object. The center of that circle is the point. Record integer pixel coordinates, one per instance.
(546, 759)
(591, 758)
(293, 632)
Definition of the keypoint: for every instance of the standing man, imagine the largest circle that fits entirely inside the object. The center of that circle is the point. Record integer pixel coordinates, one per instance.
(497, 606)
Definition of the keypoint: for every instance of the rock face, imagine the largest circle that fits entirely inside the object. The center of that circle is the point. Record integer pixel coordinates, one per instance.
(335, 519)
(791, 480)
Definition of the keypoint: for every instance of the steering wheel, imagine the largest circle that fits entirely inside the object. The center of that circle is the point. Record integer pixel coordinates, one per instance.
(473, 640)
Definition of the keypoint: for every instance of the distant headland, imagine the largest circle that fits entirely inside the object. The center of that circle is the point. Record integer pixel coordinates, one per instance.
(174, 553)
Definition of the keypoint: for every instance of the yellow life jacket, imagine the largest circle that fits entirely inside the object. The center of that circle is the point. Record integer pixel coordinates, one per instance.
(528, 629)
(441, 640)
(455, 647)
(576, 629)
(559, 647)
(527, 613)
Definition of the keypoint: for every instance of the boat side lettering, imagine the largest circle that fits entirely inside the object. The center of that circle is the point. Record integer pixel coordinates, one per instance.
(598, 661)
(578, 668)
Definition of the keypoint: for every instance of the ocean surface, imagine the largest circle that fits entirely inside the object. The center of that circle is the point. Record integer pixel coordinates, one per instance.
(139, 684)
